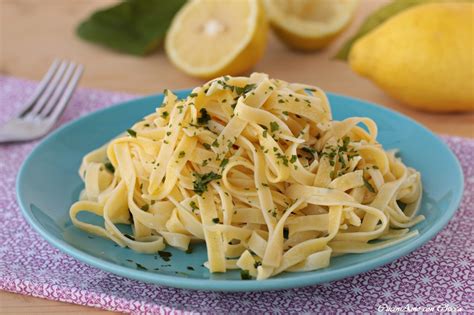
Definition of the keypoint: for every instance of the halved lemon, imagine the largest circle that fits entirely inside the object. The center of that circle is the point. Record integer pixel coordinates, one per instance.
(210, 38)
(309, 24)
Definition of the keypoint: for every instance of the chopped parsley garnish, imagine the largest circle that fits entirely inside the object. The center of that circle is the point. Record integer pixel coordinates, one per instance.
(285, 113)
(215, 143)
(368, 185)
(140, 266)
(215, 220)
(200, 184)
(205, 117)
(168, 133)
(345, 143)
(226, 86)
(109, 167)
(293, 159)
(274, 126)
(193, 95)
(164, 114)
(132, 132)
(206, 145)
(193, 205)
(181, 154)
(247, 88)
(309, 150)
(245, 275)
(331, 153)
(239, 90)
(164, 255)
(265, 132)
(224, 163)
(282, 157)
(339, 153)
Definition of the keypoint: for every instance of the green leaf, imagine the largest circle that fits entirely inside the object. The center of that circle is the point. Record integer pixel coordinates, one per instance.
(375, 19)
(133, 26)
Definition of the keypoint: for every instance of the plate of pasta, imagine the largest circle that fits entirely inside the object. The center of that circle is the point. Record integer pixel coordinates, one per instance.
(241, 184)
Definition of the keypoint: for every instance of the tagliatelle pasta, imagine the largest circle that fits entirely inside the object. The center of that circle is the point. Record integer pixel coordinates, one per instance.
(257, 169)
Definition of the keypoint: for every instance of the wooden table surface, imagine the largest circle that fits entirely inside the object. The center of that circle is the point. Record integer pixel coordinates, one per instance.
(33, 33)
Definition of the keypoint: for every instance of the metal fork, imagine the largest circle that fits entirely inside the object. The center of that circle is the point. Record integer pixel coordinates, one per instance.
(46, 104)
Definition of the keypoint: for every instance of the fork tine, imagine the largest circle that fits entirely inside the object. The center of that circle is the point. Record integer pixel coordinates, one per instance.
(64, 100)
(39, 90)
(58, 91)
(39, 104)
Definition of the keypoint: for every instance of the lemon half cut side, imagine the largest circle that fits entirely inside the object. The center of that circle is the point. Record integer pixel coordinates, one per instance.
(210, 38)
(309, 24)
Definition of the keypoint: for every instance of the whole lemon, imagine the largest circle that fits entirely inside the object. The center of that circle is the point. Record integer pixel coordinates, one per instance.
(423, 56)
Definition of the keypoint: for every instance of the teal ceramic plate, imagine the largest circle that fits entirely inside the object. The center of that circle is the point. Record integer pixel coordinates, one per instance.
(48, 183)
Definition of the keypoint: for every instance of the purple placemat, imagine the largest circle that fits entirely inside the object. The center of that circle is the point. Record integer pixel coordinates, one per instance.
(437, 277)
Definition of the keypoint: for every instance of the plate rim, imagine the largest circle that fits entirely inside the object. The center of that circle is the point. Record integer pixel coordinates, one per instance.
(297, 281)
